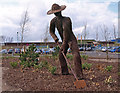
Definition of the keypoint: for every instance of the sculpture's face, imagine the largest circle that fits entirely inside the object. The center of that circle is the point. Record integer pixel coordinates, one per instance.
(57, 14)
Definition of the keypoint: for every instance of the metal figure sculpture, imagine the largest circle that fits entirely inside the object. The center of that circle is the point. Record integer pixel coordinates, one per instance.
(64, 27)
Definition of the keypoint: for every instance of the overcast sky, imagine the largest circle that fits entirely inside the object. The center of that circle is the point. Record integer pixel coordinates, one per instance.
(94, 12)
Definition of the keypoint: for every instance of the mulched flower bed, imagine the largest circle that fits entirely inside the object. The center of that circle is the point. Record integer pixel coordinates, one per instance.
(42, 80)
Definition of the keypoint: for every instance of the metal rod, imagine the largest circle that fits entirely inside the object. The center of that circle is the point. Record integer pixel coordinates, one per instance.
(68, 63)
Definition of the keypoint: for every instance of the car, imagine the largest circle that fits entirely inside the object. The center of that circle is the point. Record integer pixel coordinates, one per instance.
(114, 49)
(51, 50)
(118, 49)
(69, 50)
(109, 49)
(84, 48)
(17, 50)
(3, 51)
(81, 49)
(22, 50)
(45, 51)
(10, 51)
(104, 49)
(88, 49)
(38, 51)
(93, 48)
(98, 48)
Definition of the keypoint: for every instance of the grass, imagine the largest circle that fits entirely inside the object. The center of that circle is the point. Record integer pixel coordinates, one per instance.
(39, 66)
(69, 67)
(108, 68)
(70, 57)
(86, 66)
(118, 73)
(84, 57)
(14, 64)
(7, 57)
(52, 69)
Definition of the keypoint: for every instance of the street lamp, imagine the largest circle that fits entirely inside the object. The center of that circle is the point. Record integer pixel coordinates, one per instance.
(17, 38)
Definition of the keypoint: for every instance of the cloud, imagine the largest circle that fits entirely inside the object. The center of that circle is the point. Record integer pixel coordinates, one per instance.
(94, 13)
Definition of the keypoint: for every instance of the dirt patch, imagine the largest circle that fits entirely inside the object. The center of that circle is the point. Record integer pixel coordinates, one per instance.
(43, 80)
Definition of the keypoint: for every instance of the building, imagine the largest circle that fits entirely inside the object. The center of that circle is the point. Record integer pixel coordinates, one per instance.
(87, 42)
(81, 43)
(117, 40)
(41, 44)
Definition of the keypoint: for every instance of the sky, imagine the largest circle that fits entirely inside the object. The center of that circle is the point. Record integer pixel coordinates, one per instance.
(95, 13)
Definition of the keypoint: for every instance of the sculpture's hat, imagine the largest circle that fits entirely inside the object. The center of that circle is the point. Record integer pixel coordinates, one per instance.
(56, 8)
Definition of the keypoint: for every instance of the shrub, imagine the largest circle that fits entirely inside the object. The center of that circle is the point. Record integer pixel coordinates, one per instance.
(70, 57)
(84, 57)
(14, 64)
(29, 58)
(44, 64)
(52, 69)
(86, 66)
(56, 51)
(108, 68)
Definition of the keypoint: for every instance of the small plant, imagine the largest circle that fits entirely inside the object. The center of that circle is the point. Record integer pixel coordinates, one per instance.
(14, 64)
(3, 58)
(69, 67)
(108, 80)
(44, 64)
(86, 66)
(70, 57)
(29, 58)
(108, 68)
(84, 57)
(7, 57)
(39, 66)
(118, 73)
(52, 69)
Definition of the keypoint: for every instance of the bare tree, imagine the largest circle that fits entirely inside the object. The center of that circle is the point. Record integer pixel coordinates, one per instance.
(10, 39)
(2, 38)
(6, 39)
(85, 33)
(96, 33)
(24, 24)
(114, 31)
(105, 32)
(46, 36)
(106, 35)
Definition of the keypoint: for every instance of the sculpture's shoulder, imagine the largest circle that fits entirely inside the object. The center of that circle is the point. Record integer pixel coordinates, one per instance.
(53, 20)
(67, 19)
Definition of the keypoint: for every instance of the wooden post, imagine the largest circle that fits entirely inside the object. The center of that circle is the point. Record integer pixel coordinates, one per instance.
(81, 40)
(24, 49)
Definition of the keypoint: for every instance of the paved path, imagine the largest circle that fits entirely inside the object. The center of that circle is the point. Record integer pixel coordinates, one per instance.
(104, 60)
(101, 54)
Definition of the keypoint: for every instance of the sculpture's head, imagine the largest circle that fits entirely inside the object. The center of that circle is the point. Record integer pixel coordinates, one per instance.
(56, 9)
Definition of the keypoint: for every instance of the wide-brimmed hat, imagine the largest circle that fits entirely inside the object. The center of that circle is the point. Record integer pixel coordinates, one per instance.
(56, 8)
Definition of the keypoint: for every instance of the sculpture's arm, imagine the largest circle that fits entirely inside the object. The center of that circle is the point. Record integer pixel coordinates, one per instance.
(52, 30)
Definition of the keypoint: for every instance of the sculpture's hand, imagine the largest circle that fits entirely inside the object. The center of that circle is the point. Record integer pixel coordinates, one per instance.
(61, 49)
(56, 41)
